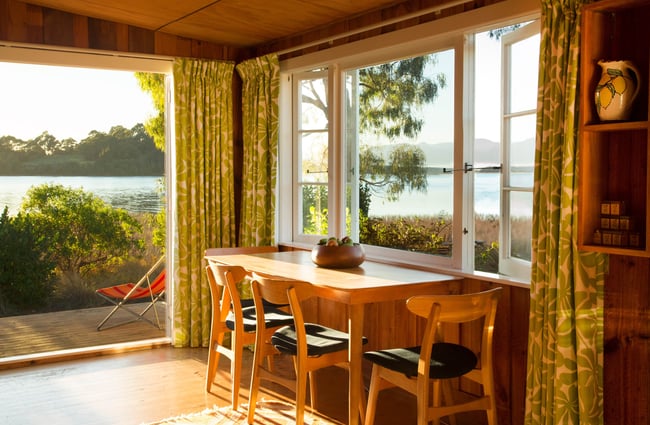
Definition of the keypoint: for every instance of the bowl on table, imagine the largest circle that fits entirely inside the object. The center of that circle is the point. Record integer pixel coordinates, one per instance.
(338, 257)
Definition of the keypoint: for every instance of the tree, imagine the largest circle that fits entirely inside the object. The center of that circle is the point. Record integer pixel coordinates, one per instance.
(155, 85)
(389, 96)
(26, 277)
(81, 232)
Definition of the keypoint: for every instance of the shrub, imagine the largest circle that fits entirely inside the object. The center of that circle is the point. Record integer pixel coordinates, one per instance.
(26, 278)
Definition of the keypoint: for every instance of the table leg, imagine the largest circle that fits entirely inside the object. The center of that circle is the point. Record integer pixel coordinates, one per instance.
(355, 356)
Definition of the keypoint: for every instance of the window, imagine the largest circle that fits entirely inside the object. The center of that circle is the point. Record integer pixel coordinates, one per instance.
(399, 143)
(414, 155)
(504, 146)
(311, 142)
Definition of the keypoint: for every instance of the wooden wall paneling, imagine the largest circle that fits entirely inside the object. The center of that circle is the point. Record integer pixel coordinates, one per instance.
(102, 35)
(80, 31)
(627, 341)
(20, 22)
(517, 354)
(24, 23)
(58, 28)
(141, 40)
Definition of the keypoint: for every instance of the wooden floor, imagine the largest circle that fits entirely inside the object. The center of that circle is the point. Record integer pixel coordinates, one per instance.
(135, 387)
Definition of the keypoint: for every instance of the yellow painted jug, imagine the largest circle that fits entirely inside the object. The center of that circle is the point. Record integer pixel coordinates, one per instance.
(618, 87)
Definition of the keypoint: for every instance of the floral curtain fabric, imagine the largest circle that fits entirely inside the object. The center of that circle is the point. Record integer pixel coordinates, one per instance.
(205, 212)
(260, 91)
(565, 348)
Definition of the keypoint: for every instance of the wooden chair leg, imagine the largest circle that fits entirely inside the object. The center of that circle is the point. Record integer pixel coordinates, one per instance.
(301, 394)
(255, 385)
(437, 401)
(373, 392)
(235, 369)
(213, 362)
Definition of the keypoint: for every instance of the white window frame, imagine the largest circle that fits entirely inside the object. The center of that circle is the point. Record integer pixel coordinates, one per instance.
(37, 54)
(508, 265)
(426, 38)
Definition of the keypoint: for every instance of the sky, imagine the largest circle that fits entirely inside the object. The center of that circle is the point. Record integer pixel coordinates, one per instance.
(68, 102)
(71, 102)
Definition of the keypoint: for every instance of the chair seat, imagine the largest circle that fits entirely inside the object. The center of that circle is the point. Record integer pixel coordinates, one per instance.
(447, 360)
(320, 340)
(274, 318)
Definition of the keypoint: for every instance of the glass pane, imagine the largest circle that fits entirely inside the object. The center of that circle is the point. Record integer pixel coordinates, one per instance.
(523, 77)
(313, 104)
(313, 151)
(521, 225)
(487, 152)
(486, 221)
(399, 136)
(314, 209)
(522, 150)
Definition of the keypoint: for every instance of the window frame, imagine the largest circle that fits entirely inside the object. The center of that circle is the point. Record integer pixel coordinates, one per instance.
(509, 265)
(448, 33)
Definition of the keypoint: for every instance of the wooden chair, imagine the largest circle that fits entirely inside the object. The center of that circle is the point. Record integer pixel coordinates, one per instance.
(235, 316)
(435, 362)
(313, 346)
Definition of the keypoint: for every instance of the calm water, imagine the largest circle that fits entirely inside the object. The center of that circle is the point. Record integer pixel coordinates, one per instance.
(439, 197)
(134, 194)
(141, 194)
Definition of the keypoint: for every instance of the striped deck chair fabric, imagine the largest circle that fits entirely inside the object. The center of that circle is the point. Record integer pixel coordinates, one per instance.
(148, 288)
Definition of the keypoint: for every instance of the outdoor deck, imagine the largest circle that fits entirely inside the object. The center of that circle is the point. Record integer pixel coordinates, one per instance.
(73, 329)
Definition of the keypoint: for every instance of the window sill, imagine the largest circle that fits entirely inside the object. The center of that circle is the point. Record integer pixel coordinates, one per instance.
(483, 276)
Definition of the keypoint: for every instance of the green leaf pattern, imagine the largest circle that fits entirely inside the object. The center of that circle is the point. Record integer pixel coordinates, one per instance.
(260, 91)
(565, 347)
(205, 212)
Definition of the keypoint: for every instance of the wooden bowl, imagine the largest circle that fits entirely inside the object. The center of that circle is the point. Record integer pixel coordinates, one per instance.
(338, 257)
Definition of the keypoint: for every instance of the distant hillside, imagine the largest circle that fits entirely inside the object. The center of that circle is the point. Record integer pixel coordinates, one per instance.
(485, 152)
(120, 152)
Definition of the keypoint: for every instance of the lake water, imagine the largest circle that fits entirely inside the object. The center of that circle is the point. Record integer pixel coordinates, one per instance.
(439, 197)
(134, 194)
(141, 194)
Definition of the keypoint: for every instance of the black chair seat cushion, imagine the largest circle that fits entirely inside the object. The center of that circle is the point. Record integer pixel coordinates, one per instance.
(320, 340)
(447, 360)
(273, 317)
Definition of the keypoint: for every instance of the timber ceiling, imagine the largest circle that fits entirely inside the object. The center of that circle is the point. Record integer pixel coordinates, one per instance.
(237, 23)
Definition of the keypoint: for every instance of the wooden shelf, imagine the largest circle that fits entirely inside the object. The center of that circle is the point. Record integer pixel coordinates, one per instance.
(614, 155)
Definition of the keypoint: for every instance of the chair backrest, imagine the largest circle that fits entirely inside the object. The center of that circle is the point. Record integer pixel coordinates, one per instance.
(223, 280)
(277, 290)
(458, 309)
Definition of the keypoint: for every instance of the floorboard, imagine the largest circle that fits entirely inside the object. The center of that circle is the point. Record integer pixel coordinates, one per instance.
(148, 385)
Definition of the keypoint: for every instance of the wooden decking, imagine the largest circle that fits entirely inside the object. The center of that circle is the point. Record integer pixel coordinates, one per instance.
(35, 334)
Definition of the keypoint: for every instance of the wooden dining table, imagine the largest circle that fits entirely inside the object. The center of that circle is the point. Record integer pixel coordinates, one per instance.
(371, 282)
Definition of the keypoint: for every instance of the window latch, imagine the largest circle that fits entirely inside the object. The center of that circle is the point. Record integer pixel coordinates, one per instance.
(470, 167)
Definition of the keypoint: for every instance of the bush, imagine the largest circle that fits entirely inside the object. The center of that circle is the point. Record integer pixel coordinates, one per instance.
(26, 278)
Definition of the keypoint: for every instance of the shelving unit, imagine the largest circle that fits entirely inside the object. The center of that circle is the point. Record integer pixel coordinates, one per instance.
(614, 156)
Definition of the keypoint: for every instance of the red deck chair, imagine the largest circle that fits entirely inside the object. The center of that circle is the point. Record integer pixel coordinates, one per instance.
(127, 293)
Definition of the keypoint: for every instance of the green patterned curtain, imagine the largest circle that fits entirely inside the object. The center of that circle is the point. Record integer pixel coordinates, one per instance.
(205, 212)
(565, 348)
(260, 90)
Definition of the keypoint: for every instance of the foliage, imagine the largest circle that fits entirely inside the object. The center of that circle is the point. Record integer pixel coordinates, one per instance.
(26, 278)
(425, 235)
(314, 209)
(120, 152)
(155, 85)
(391, 93)
(81, 232)
(404, 169)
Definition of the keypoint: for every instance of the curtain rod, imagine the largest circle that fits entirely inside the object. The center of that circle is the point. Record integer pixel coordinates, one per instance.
(422, 12)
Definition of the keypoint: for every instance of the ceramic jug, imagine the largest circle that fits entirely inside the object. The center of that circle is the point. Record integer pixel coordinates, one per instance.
(618, 87)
